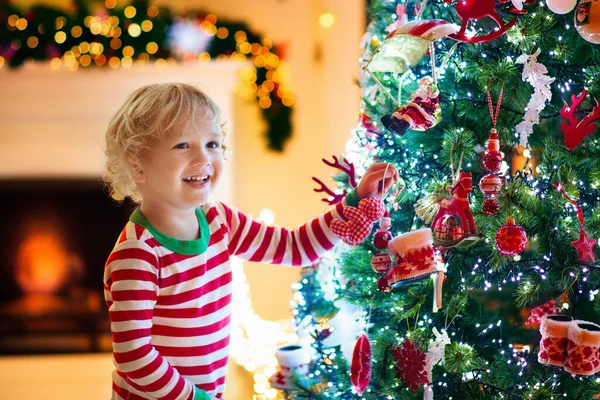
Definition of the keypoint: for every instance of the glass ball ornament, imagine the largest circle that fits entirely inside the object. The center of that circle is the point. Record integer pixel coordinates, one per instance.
(381, 239)
(561, 6)
(511, 238)
(490, 184)
(587, 20)
(490, 207)
(492, 161)
(382, 284)
(381, 262)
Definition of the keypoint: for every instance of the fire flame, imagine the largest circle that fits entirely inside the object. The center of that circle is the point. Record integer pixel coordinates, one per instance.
(42, 262)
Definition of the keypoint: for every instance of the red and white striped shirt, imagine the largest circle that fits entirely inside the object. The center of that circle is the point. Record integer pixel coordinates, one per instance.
(170, 301)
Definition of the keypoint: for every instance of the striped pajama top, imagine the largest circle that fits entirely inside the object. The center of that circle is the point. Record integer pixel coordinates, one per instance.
(170, 300)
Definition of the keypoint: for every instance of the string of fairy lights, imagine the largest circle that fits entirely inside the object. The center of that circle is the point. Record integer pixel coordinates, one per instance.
(85, 53)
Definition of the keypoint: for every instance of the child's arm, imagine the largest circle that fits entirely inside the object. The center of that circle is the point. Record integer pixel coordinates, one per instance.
(131, 290)
(257, 242)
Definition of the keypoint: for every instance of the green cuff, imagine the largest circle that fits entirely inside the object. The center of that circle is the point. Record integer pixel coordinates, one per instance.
(200, 394)
(352, 198)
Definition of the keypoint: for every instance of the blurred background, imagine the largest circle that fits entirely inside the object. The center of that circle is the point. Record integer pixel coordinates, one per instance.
(57, 223)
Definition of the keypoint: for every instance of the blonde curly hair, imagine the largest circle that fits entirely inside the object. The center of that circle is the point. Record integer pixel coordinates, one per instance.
(148, 115)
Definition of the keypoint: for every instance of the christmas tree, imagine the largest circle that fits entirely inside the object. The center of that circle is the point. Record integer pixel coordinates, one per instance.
(487, 110)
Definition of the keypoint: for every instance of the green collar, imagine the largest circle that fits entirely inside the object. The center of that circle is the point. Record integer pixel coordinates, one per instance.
(186, 247)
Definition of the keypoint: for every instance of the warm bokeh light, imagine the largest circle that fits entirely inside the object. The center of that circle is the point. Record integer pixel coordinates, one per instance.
(130, 11)
(128, 51)
(61, 21)
(56, 63)
(212, 18)
(114, 62)
(222, 33)
(326, 20)
(60, 37)
(110, 3)
(134, 30)
(12, 20)
(152, 11)
(147, 25)
(76, 31)
(152, 47)
(115, 43)
(240, 36)
(267, 216)
(32, 42)
(22, 24)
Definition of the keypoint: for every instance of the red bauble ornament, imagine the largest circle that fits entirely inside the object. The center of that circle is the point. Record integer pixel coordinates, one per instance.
(490, 207)
(490, 184)
(360, 371)
(381, 262)
(492, 161)
(410, 365)
(511, 239)
(382, 284)
(382, 239)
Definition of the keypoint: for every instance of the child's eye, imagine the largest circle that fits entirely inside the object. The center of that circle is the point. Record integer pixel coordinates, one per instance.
(181, 146)
(213, 145)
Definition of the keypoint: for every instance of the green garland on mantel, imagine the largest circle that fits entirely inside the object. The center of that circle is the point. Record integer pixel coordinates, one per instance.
(106, 35)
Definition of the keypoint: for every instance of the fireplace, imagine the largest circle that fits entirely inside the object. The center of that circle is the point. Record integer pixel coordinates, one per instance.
(55, 236)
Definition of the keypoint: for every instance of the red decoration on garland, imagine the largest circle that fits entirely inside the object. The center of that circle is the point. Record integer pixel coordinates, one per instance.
(348, 169)
(573, 129)
(360, 371)
(410, 365)
(511, 239)
(478, 9)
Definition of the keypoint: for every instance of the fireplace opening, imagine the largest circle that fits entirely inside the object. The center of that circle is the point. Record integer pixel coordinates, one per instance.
(55, 236)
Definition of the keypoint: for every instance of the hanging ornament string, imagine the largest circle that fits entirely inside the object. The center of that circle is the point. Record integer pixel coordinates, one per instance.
(561, 190)
(493, 116)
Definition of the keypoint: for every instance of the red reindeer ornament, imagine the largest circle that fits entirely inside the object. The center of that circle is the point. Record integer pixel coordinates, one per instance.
(478, 9)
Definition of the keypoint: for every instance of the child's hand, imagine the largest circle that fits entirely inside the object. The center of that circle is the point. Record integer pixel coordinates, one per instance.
(377, 180)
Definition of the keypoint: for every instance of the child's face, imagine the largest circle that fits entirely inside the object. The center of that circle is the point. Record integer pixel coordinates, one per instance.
(182, 171)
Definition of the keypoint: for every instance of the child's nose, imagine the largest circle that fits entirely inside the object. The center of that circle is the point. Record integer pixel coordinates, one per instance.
(200, 158)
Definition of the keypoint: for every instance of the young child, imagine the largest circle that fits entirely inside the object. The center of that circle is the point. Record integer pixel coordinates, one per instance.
(167, 282)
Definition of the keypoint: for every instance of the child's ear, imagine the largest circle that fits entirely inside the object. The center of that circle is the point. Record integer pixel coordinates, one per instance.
(137, 173)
